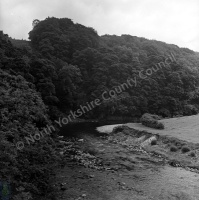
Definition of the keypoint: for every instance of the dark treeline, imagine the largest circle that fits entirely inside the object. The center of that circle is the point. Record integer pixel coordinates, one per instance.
(66, 65)
(71, 65)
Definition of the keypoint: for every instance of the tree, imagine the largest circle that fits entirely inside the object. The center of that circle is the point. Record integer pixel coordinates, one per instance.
(35, 23)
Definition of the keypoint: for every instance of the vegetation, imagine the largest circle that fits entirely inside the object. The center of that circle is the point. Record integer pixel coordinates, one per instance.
(192, 154)
(63, 67)
(151, 121)
(185, 149)
(71, 65)
(173, 148)
(153, 142)
(23, 113)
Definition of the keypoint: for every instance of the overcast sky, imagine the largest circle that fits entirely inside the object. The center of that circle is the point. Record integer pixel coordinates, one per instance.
(171, 21)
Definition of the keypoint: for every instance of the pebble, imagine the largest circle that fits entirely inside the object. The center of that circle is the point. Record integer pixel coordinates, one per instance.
(83, 195)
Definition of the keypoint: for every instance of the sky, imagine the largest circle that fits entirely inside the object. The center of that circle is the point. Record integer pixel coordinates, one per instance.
(171, 21)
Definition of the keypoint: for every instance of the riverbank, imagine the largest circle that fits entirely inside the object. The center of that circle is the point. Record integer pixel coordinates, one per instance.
(174, 151)
(178, 142)
(116, 167)
(184, 128)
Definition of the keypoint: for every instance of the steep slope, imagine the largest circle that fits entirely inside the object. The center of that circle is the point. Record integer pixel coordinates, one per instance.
(26, 158)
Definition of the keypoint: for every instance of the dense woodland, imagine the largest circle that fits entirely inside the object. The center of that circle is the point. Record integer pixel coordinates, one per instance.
(65, 65)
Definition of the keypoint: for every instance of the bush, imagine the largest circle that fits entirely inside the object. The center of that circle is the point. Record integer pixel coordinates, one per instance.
(190, 110)
(151, 121)
(192, 154)
(164, 112)
(153, 142)
(173, 148)
(155, 117)
(118, 129)
(23, 115)
(185, 149)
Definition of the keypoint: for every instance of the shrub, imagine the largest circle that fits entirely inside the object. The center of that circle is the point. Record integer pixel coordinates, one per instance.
(151, 121)
(164, 112)
(192, 154)
(23, 115)
(177, 114)
(190, 110)
(153, 142)
(173, 148)
(148, 115)
(119, 129)
(185, 149)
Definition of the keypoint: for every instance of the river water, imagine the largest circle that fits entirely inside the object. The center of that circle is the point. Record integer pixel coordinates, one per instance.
(158, 182)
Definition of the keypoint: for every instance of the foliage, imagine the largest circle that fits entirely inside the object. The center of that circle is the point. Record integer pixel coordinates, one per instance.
(151, 121)
(103, 63)
(23, 113)
(190, 110)
(67, 65)
(185, 149)
(173, 148)
(71, 65)
(153, 142)
(192, 154)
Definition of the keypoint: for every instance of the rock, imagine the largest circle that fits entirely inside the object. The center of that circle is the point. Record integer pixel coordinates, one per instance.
(83, 195)
(80, 140)
(140, 139)
(20, 189)
(174, 163)
(122, 183)
(91, 176)
(148, 141)
(63, 142)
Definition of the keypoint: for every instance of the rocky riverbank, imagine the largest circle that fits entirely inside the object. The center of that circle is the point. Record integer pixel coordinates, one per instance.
(117, 166)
